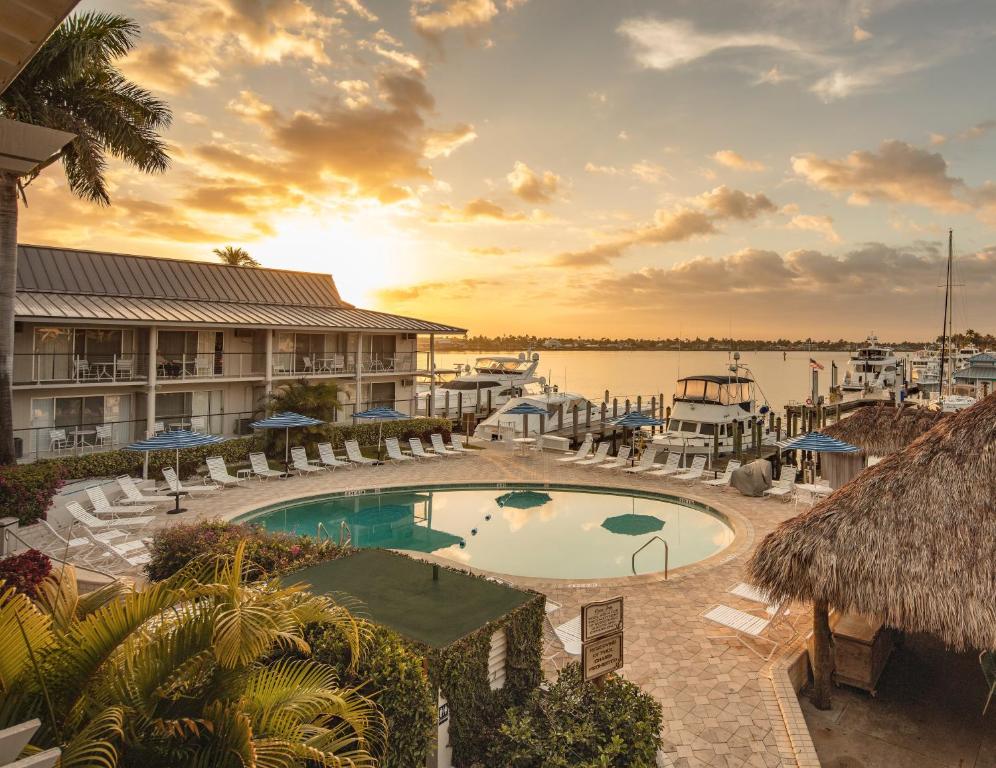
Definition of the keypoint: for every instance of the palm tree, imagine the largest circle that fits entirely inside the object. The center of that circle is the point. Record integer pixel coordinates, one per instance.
(235, 256)
(204, 668)
(73, 84)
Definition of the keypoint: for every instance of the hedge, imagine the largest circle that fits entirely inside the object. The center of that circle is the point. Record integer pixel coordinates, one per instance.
(366, 434)
(26, 490)
(392, 674)
(269, 553)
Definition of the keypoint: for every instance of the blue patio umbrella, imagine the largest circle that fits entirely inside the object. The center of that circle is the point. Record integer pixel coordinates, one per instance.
(634, 420)
(525, 409)
(632, 524)
(286, 421)
(380, 414)
(817, 442)
(176, 440)
(523, 499)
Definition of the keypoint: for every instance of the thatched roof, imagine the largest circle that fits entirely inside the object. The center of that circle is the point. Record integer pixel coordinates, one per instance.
(879, 430)
(911, 540)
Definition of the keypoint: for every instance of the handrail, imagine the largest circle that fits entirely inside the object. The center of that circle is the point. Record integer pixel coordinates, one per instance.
(646, 544)
(345, 535)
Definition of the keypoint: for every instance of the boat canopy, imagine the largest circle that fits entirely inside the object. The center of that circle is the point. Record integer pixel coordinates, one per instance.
(500, 365)
(725, 390)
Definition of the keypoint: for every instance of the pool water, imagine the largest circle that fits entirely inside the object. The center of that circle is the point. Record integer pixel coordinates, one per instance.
(523, 530)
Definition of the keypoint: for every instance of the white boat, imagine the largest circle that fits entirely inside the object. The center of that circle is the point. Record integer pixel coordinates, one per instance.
(955, 403)
(560, 411)
(492, 380)
(707, 409)
(922, 361)
(872, 368)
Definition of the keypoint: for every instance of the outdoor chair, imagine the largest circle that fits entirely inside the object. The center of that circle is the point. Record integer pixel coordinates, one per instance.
(782, 487)
(646, 462)
(57, 440)
(62, 545)
(621, 459)
(457, 445)
(569, 634)
(748, 627)
(394, 450)
(218, 472)
(104, 435)
(198, 424)
(103, 506)
(602, 454)
(418, 450)
(158, 427)
(261, 467)
(129, 554)
(695, 472)
(669, 467)
(328, 458)
(582, 452)
(92, 521)
(723, 481)
(354, 454)
(133, 495)
(82, 369)
(177, 487)
(123, 368)
(439, 447)
(300, 462)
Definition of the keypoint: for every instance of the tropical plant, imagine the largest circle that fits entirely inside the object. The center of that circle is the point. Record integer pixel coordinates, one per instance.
(235, 256)
(25, 570)
(192, 671)
(73, 84)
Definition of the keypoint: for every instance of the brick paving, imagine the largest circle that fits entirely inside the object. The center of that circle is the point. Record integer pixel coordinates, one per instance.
(720, 705)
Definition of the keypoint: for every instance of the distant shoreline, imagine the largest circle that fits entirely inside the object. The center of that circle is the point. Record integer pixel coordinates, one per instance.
(441, 349)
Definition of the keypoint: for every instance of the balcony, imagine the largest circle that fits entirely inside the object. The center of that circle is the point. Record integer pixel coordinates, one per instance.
(289, 364)
(211, 365)
(59, 368)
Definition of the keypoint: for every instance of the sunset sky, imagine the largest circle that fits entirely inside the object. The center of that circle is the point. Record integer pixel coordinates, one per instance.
(575, 167)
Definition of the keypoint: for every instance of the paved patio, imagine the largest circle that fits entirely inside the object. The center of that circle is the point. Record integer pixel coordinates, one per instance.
(719, 704)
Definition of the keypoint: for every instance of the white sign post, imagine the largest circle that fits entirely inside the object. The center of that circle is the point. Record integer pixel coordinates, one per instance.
(601, 638)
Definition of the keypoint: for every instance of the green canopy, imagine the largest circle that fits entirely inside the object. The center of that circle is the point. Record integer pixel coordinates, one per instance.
(633, 525)
(523, 499)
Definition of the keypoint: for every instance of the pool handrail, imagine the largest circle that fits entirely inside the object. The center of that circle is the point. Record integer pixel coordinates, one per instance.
(646, 544)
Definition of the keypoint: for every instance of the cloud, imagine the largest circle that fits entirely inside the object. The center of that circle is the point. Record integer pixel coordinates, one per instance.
(733, 159)
(898, 172)
(648, 171)
(859, 35)
(434, 17)
(493, 250)
(478, 209)
(167, 68)
(822, 225)
(663, 45)
(605, 170)
(531, 186)
(977, 131)
(698, 217)
(444, 143)
(449, 289)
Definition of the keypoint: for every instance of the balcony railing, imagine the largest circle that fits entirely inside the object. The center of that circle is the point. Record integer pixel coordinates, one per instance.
(211, 365)
(344, 363)
(64, 368)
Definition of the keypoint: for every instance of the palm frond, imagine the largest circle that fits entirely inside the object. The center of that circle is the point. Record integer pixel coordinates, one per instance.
(95, 745)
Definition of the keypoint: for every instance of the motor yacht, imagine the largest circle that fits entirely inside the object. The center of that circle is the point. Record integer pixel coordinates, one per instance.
(491, 381)
(560, 413)
(872, 368)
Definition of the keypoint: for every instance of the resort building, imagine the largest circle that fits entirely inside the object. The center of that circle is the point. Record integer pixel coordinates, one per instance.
(979, 372)
(112, 347)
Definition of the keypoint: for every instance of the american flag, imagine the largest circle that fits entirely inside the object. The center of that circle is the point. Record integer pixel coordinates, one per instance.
(815, 365)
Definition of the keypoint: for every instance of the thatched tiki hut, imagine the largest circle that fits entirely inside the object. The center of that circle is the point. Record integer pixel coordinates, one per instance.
(878, 430)
(911, 540)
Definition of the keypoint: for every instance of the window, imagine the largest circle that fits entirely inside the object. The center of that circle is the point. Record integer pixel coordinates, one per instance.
(674, 425)
(53, 354)
(708, 429)
(382, 395)
(690, 426)
(470, 385)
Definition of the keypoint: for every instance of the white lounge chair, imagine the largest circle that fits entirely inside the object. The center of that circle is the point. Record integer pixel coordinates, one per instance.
(582, 452)
(747, 592)
(177, 487)
(92, 521)
(569, 634)
(394, 450)
(76, 546)
(300, 462)
(133, 494)
(261, 467)
(218, 472)
(646, 462)
(439, 447)
(621, 460)
(130, 554)
(102, 506)
(457, 445)
(747, 626)
(601, 454)
(355, 455)
(694, 472)
(670, 466)
(418, 450)
(328, 458)
(724, 479)
(782, 487)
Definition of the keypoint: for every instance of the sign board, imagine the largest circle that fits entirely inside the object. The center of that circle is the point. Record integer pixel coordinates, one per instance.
(601, 656)
(601, 618)
(444, 713)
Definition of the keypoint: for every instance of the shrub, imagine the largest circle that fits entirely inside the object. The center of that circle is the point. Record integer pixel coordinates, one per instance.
(25, 571)
(26, 490)
(269, 553)
(391, 673)
(577, 724)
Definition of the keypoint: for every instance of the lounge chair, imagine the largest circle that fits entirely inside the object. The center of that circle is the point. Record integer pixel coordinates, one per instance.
(694, 472)
(782, 487)
(747, 592)
(102, 506)
(621, 460)
(300, 462)
(457, 445)
(130, 554)
(439, 447)
(602, 454)
(394, 450)
(261, 467)
(646, 462)
(92, 521)
(328, 459)
(747, 626)
(218, 472)
(133, 494)
(987, 660)
(669, 467)
(418, 450)
(569, 634)
(354, 454)
(724, 479)
(63, 544)
(177, 487)
(582, 452)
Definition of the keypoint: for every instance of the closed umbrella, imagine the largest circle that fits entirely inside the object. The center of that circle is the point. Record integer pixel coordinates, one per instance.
(176, 440)
(380, 414)
(286, 421)
(525, 409)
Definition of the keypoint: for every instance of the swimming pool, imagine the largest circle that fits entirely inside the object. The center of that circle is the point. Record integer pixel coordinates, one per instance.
(557, 532)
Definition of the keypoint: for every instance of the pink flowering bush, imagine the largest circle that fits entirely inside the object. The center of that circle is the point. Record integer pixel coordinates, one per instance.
(25, 571)
(26, 490)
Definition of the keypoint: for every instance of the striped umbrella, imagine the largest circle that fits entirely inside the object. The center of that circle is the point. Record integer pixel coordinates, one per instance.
(381, 414)
(525, 409)
(286, 421)
(176, 440)
(817, 442)
(634, 420)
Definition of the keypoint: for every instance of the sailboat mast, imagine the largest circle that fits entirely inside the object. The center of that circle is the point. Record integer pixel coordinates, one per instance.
(945, 324)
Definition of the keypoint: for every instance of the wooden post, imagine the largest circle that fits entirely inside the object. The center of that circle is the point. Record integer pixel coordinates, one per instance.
(715, 446)
(574, 422)
(823, 656)
(627, 406)
(771, 421)
(615, 407)
(653, 413)
(606, 398)
(639, 403)
(587, 417)
(446, 403)
(489, 400)
(459, 405)
(604, 414)
(778, 428)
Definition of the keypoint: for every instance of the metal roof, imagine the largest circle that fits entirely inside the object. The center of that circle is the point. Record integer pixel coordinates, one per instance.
(56, 284)
(984, 372)
(24, 26)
